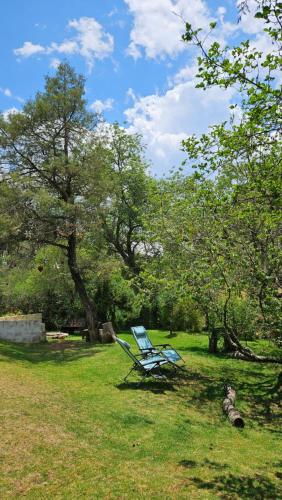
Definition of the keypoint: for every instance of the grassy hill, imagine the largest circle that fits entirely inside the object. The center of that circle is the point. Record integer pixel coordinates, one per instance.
(70, 427)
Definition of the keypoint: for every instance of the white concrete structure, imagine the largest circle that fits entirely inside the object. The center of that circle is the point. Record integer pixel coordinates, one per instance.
(23, 328)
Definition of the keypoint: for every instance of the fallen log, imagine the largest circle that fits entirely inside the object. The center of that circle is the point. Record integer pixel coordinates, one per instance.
(228, 407)
(250, 356)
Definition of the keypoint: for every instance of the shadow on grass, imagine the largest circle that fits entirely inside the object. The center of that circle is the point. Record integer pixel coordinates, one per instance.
(202, 349)
(240, 487)
(57, 352)
(252, 387)
(199, 349)
(171, 377)
(171, 335)
(204, 389)
(189, 464)
(157, 387)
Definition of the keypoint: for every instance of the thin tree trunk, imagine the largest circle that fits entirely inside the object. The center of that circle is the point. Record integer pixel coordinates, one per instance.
(213, 339)
(207, 321)
(235, 348)
(87, 303)
(231, 342)
(261, 306)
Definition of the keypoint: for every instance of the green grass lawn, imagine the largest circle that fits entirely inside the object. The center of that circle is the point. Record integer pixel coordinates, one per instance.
(70, 427)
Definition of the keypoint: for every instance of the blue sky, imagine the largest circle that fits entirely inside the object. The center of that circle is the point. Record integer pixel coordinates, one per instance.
(137, 70)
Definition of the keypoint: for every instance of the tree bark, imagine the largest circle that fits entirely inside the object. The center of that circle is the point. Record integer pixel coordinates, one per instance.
(228, 407)
(249, 355)
(213, 338)
(107, 334)
(234, 347)
(90, 313)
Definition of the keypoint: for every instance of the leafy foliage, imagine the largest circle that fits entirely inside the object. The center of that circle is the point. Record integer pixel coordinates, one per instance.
(185, 252)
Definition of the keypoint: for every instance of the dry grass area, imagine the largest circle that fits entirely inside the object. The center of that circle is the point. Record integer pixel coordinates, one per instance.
(70, 428)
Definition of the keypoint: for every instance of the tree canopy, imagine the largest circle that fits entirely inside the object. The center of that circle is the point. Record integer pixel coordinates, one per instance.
(191, 251)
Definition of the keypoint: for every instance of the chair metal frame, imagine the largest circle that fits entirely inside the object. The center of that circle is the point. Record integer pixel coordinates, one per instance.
(147, 348)
(144, 366)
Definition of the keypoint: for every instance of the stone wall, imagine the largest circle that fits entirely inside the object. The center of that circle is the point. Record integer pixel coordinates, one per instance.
(23, 328)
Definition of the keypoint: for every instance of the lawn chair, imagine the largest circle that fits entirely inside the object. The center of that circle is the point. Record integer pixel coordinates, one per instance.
(146, 366)
(148, 349)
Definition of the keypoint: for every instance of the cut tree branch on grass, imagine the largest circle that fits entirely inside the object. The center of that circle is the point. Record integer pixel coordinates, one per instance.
(228, 407)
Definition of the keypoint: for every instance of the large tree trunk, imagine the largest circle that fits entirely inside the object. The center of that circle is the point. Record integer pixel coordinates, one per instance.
(90, 313)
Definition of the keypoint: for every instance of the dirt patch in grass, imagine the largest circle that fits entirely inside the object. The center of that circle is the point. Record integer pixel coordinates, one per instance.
(66, 344)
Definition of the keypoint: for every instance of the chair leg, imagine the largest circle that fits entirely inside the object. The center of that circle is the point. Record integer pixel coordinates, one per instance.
(142, 379)
(177, 367)
(182, 368)
(131, 369)
(158, 375)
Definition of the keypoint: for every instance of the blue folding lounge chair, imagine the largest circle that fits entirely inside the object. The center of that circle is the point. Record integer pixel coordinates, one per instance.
(146, 366)
(147, 348)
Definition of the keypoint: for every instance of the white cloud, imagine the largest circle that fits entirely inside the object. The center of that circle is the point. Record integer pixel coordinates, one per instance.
(165, 120)
(10, 111)
(263, 44)
(134, 51)
(100, 106)
(29, 49)
(55, 62)
(7, 92)
(225, 27)
(113, 12)
(130, 94)
(221, 10)
(159, 24)
(40, 26)
(90, 41)
(66, 47)
(187, 73)
(248, 23)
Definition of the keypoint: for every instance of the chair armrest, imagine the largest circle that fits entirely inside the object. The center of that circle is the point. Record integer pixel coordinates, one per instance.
(144, 355)
(164, 345)
(150, 362)
(149, 351)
